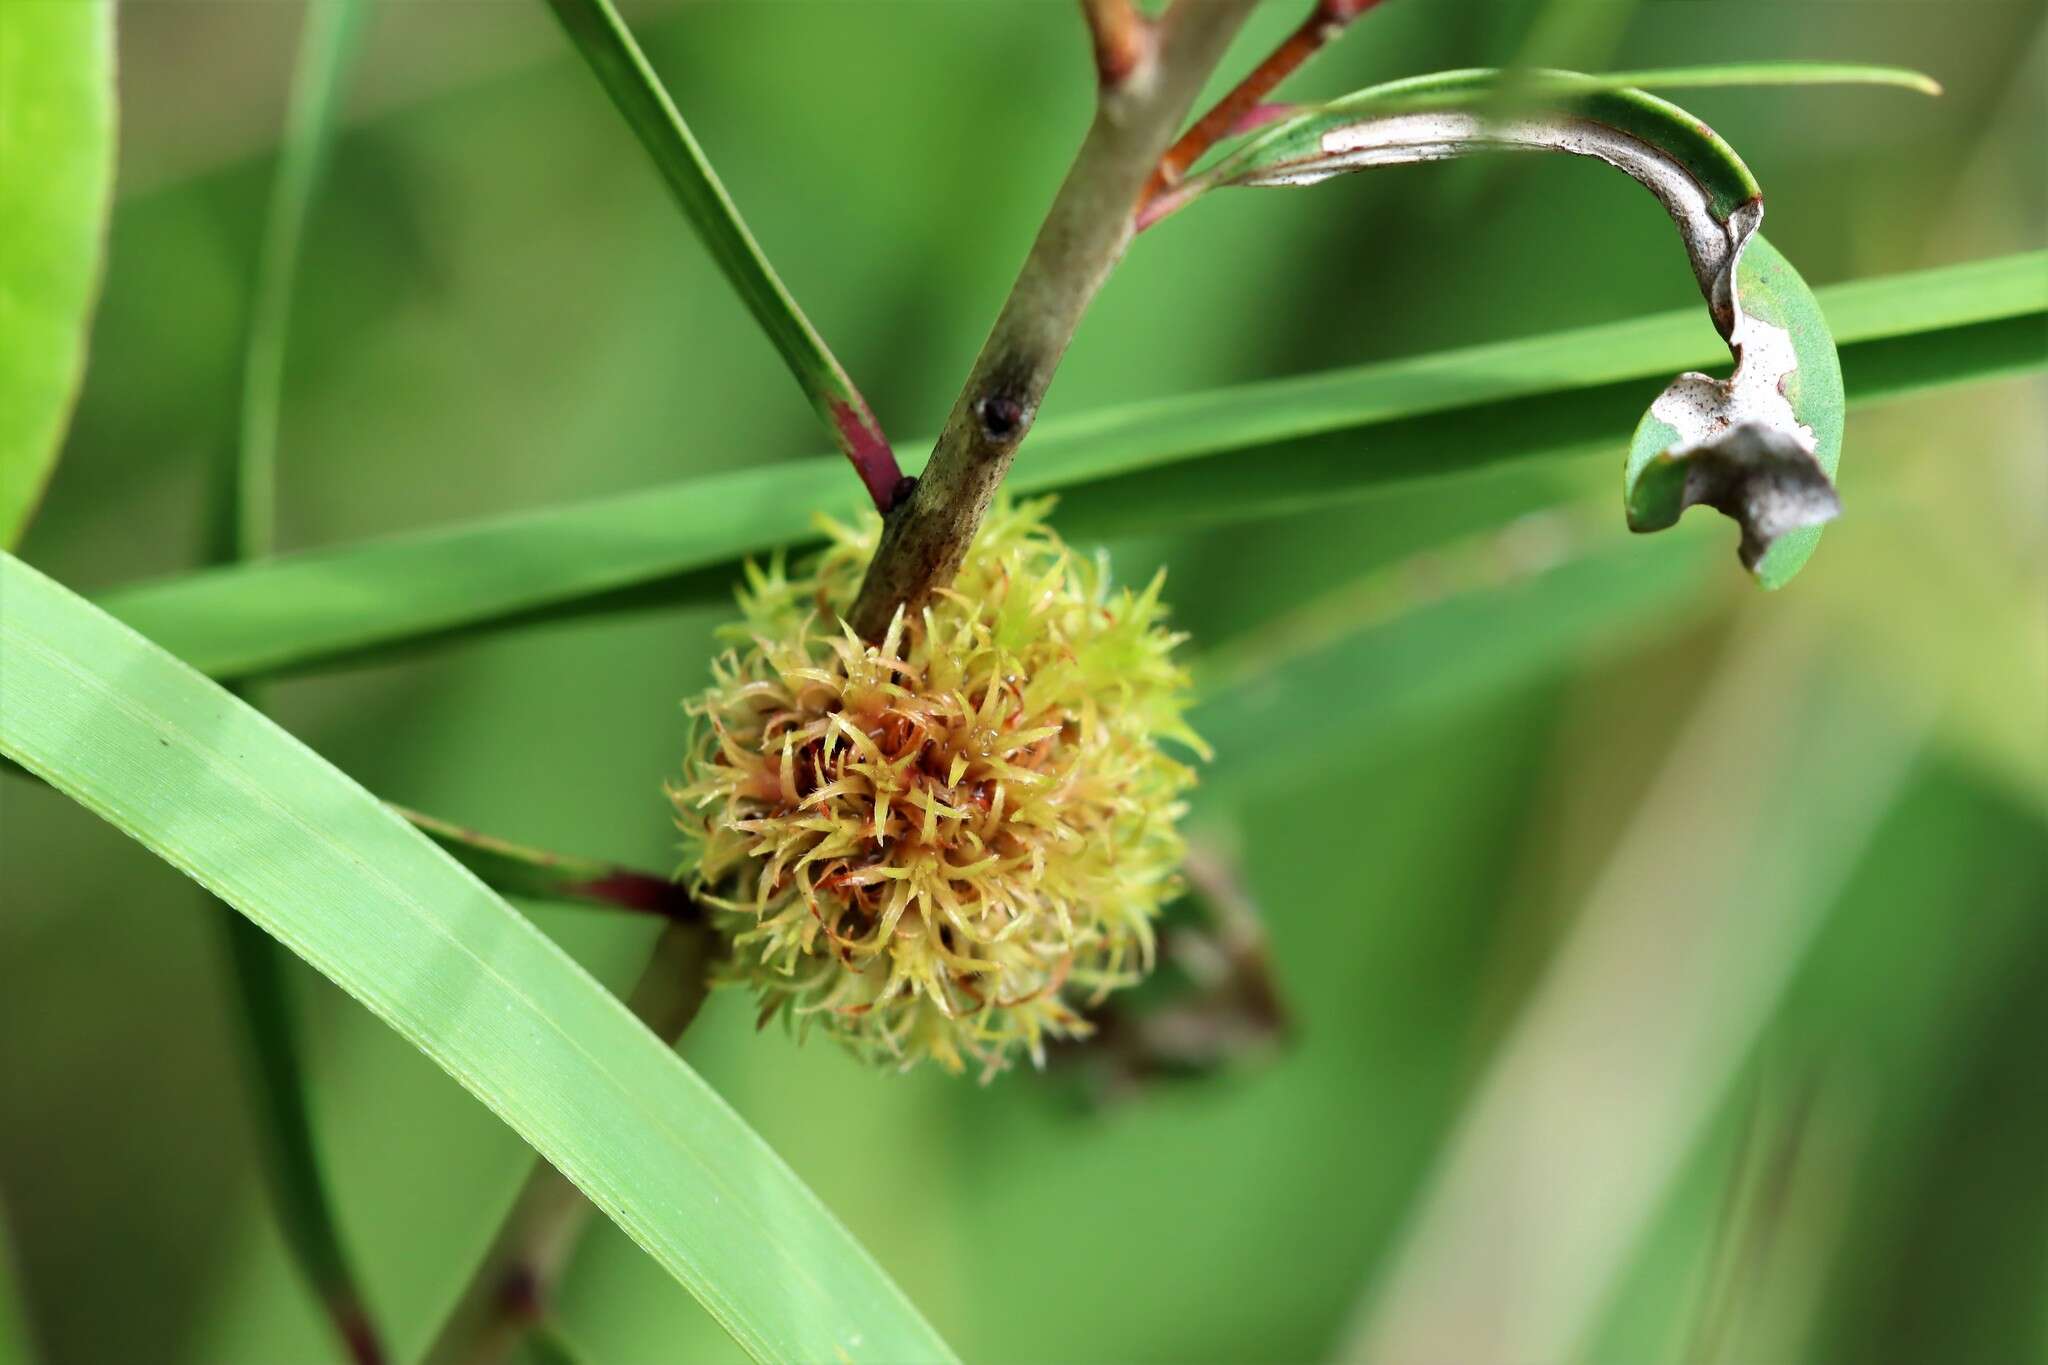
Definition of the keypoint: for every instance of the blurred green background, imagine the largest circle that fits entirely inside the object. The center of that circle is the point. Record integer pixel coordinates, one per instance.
(1685, 1002)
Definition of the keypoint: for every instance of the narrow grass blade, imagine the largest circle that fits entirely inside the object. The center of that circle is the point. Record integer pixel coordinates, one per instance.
(523, 1267)
(331, 33)
(1754, 74)
(261, 821)
(547, 1346)
(1251, 451)
(1710, 899)
(17, 1347)
(622, 68)
(531, 873)
(260, 972)
(1426, 635)
(56, 182)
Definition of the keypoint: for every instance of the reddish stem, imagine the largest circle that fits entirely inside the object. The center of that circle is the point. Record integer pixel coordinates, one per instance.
(1230, 114)
(642, 892)
(860, 436)
(1123, 38)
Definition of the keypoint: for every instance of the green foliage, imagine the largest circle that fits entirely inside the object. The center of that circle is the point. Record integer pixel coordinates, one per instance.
(1783, 410)
(1616, 96)
(622, 68)
(260, 970)
(57, 143)
(15, 1346)
(260, 975)
(1761, 446)
(1540, 596)
(327, 46)
(1437, 697)
(198, 777)
(1277, 446)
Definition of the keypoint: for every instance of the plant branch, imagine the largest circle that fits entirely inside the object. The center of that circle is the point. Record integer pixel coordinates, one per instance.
(1239, 109)
(519, 870)
(626, 75)
(508, 1294)
(1085, 232)
(1123, 38)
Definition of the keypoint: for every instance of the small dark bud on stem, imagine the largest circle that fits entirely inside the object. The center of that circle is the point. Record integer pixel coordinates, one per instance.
(1001, 419)
(520, 1294)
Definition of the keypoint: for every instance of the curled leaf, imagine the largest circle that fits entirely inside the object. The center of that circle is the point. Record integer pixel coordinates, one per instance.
(1760, 446)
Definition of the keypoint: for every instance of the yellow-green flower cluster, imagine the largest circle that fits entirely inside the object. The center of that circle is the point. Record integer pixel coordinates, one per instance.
(946, 845)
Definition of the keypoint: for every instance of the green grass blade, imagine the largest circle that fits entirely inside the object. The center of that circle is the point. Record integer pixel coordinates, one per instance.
(1751, 74)
(260, 971)
(57, 150)
(17, 1347)
(328, 41)
(1249, 451)
(1412, 641)
(546, 1345)
(260, 974)
(622, 68)
(539, 874)
(261, 821)
(1688, 940)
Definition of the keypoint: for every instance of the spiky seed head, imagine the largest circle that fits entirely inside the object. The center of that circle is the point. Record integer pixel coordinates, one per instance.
(946, 845)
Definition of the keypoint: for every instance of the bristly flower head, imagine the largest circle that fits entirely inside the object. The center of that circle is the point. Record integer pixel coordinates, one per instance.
(945, 845)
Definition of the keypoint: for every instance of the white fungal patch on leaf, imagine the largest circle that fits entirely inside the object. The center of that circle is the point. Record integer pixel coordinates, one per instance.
(1701, 408)
(1442, 135)
(1736, 444)
(1759, 446)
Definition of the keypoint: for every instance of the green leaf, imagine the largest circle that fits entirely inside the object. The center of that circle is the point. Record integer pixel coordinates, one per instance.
(546, 1345)
(1761, 446)
(1690, 936)
(57, 147)
(1255, 450)
(1411, 641)
(16, 1344)
(1299, 136)
(261, 821)
(1721, 75)
(623, 69)
(260, 972)
(327, 44)
(271, 1045)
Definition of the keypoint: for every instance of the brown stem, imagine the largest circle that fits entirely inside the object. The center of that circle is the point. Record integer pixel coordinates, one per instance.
(1325, 22)
(1085, 232)
(510, 1289)
(1122, 36)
